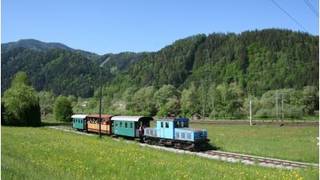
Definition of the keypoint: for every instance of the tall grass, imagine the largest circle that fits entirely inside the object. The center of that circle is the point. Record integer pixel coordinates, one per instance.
(41, 153)
(287, 142)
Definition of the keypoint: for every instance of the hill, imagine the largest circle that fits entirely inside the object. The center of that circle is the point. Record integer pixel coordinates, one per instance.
(257, 61)
(59, 68)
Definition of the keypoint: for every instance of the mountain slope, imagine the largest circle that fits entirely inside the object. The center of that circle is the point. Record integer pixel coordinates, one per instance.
(58, 68)
(258, 61)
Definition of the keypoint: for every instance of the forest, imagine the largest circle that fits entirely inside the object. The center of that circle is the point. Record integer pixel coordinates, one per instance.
(213, 75)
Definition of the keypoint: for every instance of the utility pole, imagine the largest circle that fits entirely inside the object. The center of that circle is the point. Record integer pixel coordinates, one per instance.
(276, 106)
(100, 99)
(250, 112)
(213, 111)
(282, 110)
(203, 101)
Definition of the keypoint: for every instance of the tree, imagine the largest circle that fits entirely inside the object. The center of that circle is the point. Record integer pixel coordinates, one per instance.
(255, 105)
(20, 78)
(171, 107)
(46, 100)
(3, 114)
(310, 99)
(21, 103)
(62, 109)
(165, 94)
(189, 101)
(142, 101)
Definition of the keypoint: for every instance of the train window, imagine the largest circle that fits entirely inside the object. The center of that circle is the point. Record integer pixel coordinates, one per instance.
(182, 135)
(162, 124)
(131, 125)
(120, 124)
(182, 124)
(189, 136)
(167, 125)
(125, 125)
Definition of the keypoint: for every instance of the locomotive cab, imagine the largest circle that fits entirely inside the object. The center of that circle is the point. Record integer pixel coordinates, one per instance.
(176, 132)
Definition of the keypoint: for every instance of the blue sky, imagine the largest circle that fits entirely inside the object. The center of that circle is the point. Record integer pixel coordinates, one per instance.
(105, 26)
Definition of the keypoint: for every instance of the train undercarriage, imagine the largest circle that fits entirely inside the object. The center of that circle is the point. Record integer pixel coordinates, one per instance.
(178, 144)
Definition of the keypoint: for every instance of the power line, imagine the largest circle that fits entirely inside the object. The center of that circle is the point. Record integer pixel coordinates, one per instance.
(286, 12)
(311, 7)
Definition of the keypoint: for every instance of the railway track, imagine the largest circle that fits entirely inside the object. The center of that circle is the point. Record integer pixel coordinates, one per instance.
(219, 155)
(258, 160)
(257, 122)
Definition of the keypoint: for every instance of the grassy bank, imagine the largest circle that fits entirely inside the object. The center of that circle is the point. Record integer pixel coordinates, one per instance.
(41, 153)
(287, 142)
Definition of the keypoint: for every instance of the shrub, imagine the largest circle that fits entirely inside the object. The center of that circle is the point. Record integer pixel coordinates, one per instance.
(62, 109)
(21, 103)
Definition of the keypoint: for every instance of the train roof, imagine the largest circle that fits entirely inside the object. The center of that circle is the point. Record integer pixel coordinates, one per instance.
(130, 118)
(79, 116)
(174, 119)
(104, 116)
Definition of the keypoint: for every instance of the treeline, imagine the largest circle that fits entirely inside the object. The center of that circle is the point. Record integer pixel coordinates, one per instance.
(22, 105)
(224, 101)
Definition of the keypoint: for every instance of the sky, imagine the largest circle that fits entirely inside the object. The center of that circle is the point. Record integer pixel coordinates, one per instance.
(112, 26)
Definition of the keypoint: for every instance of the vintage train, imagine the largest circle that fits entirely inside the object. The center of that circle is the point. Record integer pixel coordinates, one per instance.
(173, 132)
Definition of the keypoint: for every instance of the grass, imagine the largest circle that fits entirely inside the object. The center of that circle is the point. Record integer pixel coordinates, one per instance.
(287, 142)
(41, 153)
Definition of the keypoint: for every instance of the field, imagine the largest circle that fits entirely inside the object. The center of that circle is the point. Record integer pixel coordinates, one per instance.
(42, 153)
(287, 142)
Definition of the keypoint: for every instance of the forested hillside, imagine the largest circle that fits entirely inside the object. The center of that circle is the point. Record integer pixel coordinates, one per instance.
(257, 60)
(58, 68)
(212, 75)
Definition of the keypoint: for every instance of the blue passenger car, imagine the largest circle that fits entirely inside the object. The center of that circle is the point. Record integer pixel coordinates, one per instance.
(79, 122)
(175, 132)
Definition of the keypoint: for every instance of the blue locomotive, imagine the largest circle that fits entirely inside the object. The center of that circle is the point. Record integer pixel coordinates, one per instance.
(176, 132)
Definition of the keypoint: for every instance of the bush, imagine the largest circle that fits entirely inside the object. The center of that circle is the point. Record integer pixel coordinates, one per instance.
(62, 109)
(293, 112)
(21, 103)
(264, 113)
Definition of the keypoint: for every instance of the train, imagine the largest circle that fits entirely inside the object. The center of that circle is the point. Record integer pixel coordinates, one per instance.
(170, 131)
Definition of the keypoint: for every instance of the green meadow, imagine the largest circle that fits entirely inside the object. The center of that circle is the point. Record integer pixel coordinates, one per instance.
(42, 153)
(286, 142)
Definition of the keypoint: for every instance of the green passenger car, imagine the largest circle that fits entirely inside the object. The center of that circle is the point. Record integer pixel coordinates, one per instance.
(129, 125)
(79, 122)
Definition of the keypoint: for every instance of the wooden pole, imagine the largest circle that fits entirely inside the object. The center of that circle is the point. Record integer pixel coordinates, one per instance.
(250, 111)
(100, 108)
